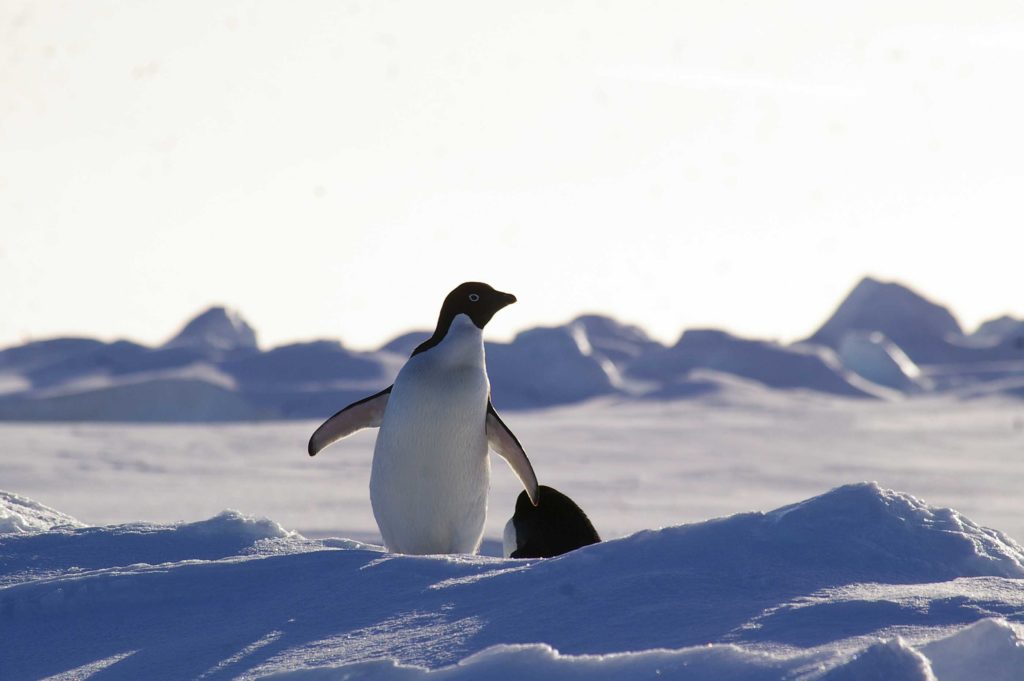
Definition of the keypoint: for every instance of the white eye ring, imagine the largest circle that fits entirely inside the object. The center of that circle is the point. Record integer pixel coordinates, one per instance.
(473, 297)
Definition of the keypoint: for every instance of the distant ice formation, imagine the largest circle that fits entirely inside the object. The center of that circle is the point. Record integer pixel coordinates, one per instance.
(771, 364)
(883, 340)
(874, 357)
(218, 329)
(922, 329)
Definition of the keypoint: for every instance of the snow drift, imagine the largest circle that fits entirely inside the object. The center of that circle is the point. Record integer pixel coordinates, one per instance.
(923, 329)
(860, 582)
(19, 514)
(771, 364)
(883, 341)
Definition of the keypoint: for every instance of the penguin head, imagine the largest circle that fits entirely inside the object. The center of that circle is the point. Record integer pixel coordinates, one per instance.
(476, 300)
(553, 527)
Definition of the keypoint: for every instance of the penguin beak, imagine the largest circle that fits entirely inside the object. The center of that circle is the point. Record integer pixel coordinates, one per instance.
(507, 299)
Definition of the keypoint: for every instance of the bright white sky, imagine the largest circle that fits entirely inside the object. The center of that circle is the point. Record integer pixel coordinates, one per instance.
(331, 169)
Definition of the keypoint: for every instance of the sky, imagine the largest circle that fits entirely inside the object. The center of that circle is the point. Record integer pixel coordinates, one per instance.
(332, 169)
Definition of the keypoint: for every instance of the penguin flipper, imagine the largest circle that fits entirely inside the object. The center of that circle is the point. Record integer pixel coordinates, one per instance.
(366, 413)
(507, 446)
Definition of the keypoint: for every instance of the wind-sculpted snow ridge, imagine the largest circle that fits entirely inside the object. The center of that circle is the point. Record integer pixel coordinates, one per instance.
(921, 328)
(874, 357)
(71, 546)
(859, 582)
(18, 514)
(217, 329)
(893, 659)
(807, 367)
(884, 341)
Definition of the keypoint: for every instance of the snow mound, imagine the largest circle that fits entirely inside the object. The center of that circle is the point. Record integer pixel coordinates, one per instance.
(236, 525)
(990, 649)
(19, 514)
(873, 356)
(771, 364)
(74, 546)
(182, 397)
(563, 369)
(864, 527)
(920, 327)
(216, 329)
(616, 344)
(793, 593)
(404, 344)
(36, 354)
(303, 364)
(538, 661)
(998, 330)
(893, 659)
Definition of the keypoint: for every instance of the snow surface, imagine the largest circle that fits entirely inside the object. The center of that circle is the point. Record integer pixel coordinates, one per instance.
(858, 583)
(770, 364)
(216, 329)
(214, 370)
(921, 328)
(873, 356)
(630, 465)
(19, 514)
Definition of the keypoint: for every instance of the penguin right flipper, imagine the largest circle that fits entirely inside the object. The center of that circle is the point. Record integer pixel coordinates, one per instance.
(366, 413)
(506, 444)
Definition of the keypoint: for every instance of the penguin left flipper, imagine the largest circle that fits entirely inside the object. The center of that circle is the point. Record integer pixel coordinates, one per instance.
(507, 446)
(365, 413)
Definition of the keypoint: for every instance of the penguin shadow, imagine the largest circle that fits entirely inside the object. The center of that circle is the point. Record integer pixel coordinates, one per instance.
(556, 525)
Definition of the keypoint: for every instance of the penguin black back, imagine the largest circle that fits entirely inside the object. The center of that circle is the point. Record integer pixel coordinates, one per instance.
(553, 527)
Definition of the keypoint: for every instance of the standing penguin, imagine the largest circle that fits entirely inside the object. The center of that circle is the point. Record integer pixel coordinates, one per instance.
(431, 473)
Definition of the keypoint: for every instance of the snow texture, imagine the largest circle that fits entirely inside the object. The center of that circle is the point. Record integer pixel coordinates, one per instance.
(19, 514)
(923, 329)
(884, 341)
(218, 329)
(858, 583)
(874, 357)
(770, 364)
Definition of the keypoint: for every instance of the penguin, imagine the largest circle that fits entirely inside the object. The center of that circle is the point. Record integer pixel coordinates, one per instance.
(430, 473)
(551, 527)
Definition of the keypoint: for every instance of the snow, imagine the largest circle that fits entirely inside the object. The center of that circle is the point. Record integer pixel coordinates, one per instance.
(884, 341)
(839, 581)
(998, 330)
(892, 659)
(990, 649)
(216, 329)
(743, 540)
(860, 582)
(769, 363)
(738, 448)
(874, 357)
(19, 514)
(564, 369)
(923, 329)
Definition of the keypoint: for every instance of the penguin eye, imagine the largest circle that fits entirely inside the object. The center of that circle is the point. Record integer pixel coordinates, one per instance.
(473, 297)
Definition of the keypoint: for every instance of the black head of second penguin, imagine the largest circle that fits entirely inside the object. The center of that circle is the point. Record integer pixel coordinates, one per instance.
(556, 525)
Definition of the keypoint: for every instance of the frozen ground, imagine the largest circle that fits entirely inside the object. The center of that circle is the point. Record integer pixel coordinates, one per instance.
(857, 581)
(630, 465)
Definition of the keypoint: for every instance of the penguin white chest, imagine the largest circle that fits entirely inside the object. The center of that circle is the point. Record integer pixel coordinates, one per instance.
(430, 474)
